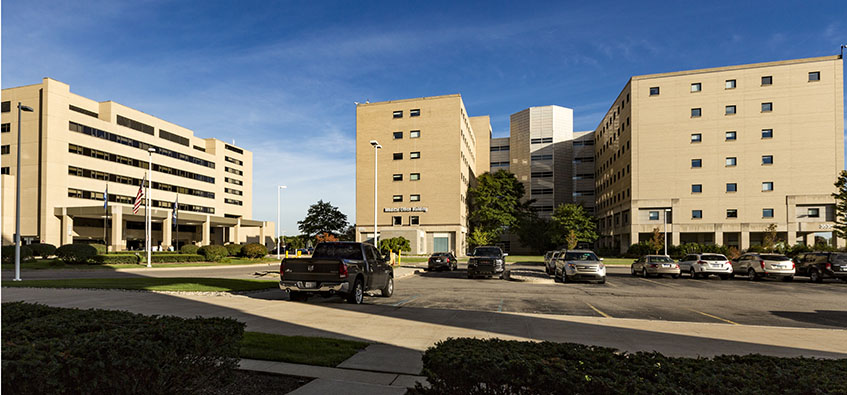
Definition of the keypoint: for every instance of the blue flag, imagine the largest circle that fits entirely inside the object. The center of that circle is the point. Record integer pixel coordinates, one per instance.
(106, 198)
(176, 211)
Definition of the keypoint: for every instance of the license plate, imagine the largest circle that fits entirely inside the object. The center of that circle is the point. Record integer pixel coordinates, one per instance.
(666, 265)
(310, 284)
(778, 266)
(716, 265)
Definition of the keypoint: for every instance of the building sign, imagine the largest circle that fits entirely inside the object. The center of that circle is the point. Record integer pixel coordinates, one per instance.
(404, 210)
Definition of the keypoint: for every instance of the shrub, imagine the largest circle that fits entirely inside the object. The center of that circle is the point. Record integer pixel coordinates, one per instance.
(177, 258)
(117, 259)
(213, 253)
(43, 250)
(51, 350)
(233, 249)
(494, 366)
(76, 253)
(9, 253)
(101, 248)
(188, 249)
(254, 250)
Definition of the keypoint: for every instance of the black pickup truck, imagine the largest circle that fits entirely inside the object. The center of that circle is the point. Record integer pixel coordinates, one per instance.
(347, 269)
(486, 261)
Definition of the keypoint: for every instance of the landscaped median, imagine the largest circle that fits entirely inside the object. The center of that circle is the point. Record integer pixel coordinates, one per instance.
(493, 366)
(175, 284)
(53, 350)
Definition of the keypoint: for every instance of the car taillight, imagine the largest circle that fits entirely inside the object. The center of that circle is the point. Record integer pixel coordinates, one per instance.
(653, 265)
(828, 266)
(763, 264)
(342, 270)
(281, 270)
(676, 266)
(701, 262)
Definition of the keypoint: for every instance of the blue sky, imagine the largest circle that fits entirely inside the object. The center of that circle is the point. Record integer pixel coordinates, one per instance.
(280, 78)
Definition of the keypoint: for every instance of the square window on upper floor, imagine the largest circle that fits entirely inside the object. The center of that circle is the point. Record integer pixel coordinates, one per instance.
(398, 135)
(654, 216)
(767, 107)
(398, 114)
(767, 186)
(654, 91)
(732, 213)
(696, 87)
(767, 213)
(696, 112)
(813, 213)
(730, 84)
(414, 134)
(814, 76)
(731, 161)
(731, 135)
(767, 133)
(415, 112)
(730, 110)
(696, 214)
(696, 137)
(696, 163)
(767, 80)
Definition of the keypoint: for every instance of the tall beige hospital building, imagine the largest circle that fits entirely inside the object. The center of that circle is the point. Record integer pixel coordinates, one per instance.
(73, 147)
(432, 151)
(721, 153)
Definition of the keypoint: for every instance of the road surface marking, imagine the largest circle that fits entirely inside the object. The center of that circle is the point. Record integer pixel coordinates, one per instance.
(609, 283)
(500, 308)
(656, 282)
(715, 317)
(407, 300)
(598, 310)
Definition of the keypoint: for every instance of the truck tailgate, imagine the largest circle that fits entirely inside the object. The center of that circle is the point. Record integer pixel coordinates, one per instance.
(306, 269)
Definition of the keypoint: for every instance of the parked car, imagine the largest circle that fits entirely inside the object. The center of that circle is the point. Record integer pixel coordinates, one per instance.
(579, 265)
(547, 256)
(820, 265)
(486, 261)
(442, 260)
(658, 265)
(703, 265)
(345, 268)
(759, 265)
(550, 265)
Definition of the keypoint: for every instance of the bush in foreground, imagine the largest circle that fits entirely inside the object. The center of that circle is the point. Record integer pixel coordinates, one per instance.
(51, 350)
(76, 253)
(233, 249)
(213, 253)
(188, 249)
(9, 253)
(43, 250)
(494, 366)
(254, 250)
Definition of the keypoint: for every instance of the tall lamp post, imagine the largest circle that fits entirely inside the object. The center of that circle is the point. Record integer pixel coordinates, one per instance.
(376, 146)
(278, 226)
(667, 211)
(18, 197)
(149, 218)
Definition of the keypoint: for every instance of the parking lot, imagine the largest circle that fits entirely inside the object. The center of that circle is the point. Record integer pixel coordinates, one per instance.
(737, 301)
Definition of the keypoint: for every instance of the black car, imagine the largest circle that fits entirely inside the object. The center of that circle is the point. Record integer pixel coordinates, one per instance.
(442, 260)
(486, 261)
(820, 265)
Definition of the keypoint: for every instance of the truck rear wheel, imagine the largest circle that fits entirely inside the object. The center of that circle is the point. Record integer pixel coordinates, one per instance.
(357, 294)
(389, 288)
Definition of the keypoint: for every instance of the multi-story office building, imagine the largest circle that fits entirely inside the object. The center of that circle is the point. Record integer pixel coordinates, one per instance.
(432, 151)
(72, 147)
(719, 154)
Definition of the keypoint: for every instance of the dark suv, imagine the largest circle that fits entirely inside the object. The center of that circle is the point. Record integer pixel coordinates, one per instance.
(486, 261)
(820, 265)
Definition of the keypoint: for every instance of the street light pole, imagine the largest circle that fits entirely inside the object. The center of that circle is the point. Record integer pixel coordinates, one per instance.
(665, 223)
(278, 226)
(376, 146)
(150, 152)
(18, 197)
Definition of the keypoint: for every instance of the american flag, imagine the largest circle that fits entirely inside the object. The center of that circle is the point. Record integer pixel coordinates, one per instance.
(139, 196)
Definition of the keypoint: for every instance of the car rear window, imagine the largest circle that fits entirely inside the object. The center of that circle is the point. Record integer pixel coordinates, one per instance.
(661, 259)
(580, 256)
(338, 251)
(713, 257)
(840, 258)
(775, 258)
(440, 254)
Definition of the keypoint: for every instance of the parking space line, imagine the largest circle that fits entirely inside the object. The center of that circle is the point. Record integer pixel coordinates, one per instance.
(656, 282)
(610, 284)
(407, 300)
(715, 317)
(598, 310)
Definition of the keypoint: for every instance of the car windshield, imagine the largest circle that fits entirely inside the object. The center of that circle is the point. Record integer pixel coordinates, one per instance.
(661, 259)
(438, 254)
(338, 251)
(713, 258)
(775, 257)
(486, 251)
(580, 256)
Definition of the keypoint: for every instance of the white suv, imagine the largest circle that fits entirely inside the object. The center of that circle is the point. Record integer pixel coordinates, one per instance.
(702, 265)
(758, 265)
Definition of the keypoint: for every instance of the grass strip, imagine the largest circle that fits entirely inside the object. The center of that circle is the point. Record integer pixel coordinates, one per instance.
(55, 264)
(183, 284)
(316, 351)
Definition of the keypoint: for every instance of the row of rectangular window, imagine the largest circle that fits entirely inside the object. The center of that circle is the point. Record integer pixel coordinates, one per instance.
(233, 191)
(93, 153)
(541, 191)
(541, 157)
(583, 143)
(412, 113)
(767, 186)
(412, 155)
(730, 110)
(732, 161)
(164, 134)
(115, 198)
(83, 111)
(731, 135)
(732, 84)
(413, 134)
(233, 160)
(544, 140)
(412, 177)
(233, 181)
(120, 179)
(135, 125)
(542, 174)
(234, 149)
(412, 198)
(233, 201)
(233, 171)
(500, 164)
(733, 213)
(496, 148)
(413, 220)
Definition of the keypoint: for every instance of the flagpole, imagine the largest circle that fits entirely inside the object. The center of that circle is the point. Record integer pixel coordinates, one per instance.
(149, 201)
(106, 220)
(176, 223)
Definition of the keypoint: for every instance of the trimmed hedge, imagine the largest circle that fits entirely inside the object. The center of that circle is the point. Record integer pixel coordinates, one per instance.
(213, 253)
(8, 253)
(188, 249)
(494, 366)
(233, 249)
(254, 250)
(122, 259)
(101, 248)
(117, 259)
(51, 350)
(76, 253)
(43, 250)
(177, 258)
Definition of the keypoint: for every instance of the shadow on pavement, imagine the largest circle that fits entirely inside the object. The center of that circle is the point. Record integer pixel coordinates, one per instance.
(833, 318)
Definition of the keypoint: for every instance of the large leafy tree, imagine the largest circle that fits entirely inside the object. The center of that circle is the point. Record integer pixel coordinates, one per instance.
(494, 205)
(573, 217)
(323, 217)
(840, 196)
(536, 232)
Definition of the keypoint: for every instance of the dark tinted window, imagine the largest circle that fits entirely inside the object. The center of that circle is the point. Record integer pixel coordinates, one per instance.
(580, 256)
(775, 257)
(487, 251)
(713, 258)
(338, 251)
(661, 259)
(840, 258)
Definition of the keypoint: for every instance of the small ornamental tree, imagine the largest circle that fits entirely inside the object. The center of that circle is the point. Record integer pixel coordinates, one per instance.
(479, 237)
(572, 240)
(394, 244)
(657, 242)
(325, 237)
(770, 238)
(840, 195)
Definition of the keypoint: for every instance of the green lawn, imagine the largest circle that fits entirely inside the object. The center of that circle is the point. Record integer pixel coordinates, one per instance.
(42, 264)
(152, 284)
(618, 261)
(298, 349)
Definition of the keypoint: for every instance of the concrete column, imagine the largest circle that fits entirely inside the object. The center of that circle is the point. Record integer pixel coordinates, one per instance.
(206, 232)
(792, 235)
(745, 239)
(67, 229)
(675, 238)
(167, 231)
(718, 236)
(262, 233)
(809, 239)
(236, 233)
(116, 237)
(836, 242)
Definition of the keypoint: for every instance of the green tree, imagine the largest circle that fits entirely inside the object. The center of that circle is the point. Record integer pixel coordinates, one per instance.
(394, 244)
(770, 238)
(293, 242)
(657, 241)
(323, 217)
(840, 196)
(479, 237)
(494, 205)
(572, 217)
(535, 232)
(349, 234)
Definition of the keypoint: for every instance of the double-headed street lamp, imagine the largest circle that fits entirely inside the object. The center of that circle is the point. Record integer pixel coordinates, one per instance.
(278, 226)
(18, 197)
(376, 146)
